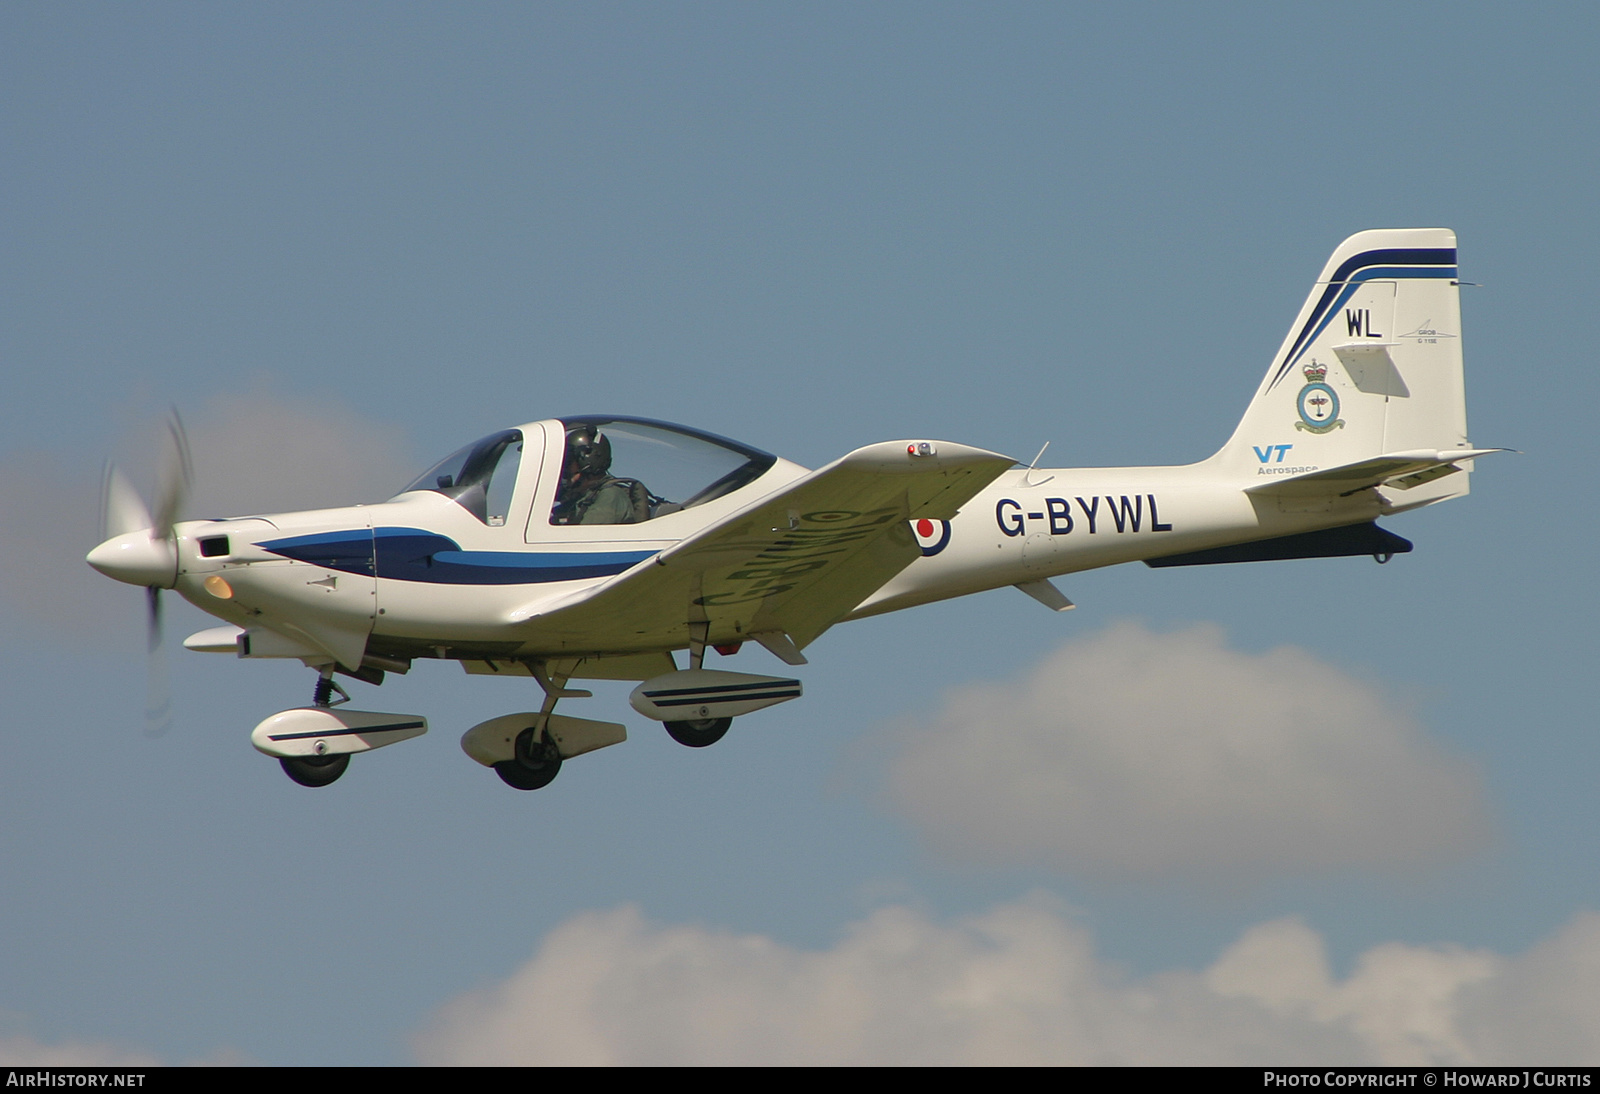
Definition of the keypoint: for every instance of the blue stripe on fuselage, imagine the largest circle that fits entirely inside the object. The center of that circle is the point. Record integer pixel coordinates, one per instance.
(412, 554)
(349, 552)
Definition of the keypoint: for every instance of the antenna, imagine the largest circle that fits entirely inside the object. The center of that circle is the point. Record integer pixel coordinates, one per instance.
(1027, 476)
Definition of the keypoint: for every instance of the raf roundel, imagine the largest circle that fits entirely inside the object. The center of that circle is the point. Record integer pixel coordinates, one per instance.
(933, 536)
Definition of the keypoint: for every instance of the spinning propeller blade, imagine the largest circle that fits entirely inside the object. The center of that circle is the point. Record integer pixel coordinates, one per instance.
(121, 508)
(177, 473)
(157, 691)
(150, 559)
(152, 619)
(172, 490)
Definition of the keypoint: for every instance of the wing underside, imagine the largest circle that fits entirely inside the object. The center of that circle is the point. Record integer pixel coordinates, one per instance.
(789, 564)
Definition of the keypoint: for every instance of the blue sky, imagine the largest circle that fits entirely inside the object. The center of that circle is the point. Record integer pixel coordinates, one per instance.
(344, 241)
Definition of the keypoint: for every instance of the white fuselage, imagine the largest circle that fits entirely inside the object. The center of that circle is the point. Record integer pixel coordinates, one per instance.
(1044, 522)
(1030, 524)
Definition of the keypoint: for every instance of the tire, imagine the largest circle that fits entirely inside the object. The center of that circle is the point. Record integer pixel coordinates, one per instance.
(315, 770)
(699, 732)
(536, 765)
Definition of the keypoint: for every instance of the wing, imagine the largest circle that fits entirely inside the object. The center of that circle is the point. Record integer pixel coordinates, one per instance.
(790, 564)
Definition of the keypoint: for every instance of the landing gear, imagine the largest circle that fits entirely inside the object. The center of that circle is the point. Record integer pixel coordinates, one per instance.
(320, 770)
(315, 770)
(327, 687)
(314, 744)
(699, 732)
(536, 764)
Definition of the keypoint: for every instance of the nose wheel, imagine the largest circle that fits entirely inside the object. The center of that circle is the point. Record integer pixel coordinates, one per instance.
(698, 732)
(317, 771)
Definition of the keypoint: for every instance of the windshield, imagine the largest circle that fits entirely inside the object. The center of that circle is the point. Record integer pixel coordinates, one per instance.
(630, 470)
(479, 477)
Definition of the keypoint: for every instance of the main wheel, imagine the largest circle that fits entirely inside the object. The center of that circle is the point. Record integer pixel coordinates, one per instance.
(698, 732)
(315, 770)
(536, 764)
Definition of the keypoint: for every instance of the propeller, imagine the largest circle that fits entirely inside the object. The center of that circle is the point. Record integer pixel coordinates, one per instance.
(141, 548)
(121, 508)
(157, 686)
(177, 475)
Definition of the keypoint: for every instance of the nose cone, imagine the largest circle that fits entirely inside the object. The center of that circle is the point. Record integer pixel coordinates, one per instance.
(138, 559)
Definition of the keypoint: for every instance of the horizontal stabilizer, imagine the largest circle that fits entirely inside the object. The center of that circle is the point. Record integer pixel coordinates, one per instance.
(1398, 469)
(1349, 541)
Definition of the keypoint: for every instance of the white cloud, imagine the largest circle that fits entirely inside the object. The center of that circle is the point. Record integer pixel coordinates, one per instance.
(1544, 1003)
(1402, 1002)
(1137, 753)
(1020, 984)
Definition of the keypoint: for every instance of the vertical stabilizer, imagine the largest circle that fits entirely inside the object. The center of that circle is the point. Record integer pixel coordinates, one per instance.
(1372, 365)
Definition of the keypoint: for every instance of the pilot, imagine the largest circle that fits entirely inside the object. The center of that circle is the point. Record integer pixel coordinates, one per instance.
(589, 493)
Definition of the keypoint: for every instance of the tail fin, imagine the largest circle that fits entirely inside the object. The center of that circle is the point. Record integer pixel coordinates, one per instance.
(1371, 366)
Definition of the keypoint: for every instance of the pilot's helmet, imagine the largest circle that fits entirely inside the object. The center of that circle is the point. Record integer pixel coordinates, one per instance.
(588, 450)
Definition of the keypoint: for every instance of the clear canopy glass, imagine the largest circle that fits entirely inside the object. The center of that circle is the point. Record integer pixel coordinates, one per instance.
(480, 477)
(629, 470)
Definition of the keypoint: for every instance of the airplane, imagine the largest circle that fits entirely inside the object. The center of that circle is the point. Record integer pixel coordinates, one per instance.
(601, 547)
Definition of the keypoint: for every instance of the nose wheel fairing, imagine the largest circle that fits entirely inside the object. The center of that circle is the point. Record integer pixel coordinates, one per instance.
(317, 732)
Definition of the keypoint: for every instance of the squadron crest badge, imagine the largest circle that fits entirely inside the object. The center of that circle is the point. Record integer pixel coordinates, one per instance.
(1318, 403)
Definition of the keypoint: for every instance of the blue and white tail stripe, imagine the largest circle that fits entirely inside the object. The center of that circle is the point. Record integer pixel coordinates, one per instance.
(1392, 263)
